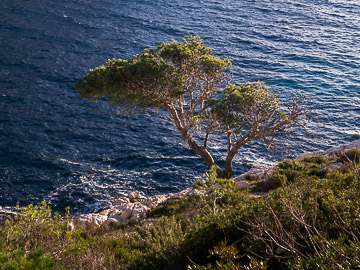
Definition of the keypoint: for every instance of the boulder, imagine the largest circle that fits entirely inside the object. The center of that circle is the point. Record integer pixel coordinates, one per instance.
(334, 166)
(105, 212)
(155, 200)
(126, 214)
(118, 209)
(96, 219)
(79, 221)
(134, 197)
(242, 185)
(258, 172)
(139, 211)
(111, 220)
(121, 201)
(187, 192)
(115, 217)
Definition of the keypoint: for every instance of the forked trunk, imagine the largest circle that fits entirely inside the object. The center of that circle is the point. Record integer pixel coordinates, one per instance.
(224, 174)
(201, 151)
(209, 161)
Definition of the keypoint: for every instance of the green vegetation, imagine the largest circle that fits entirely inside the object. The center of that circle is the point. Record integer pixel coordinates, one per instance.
(308, 220)
(184, 84)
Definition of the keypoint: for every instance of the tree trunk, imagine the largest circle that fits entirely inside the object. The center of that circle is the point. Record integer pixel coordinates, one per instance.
(209, 161)
(197, 148)
(224, 174)
(201, 151)
(227, 173)
(229, 170)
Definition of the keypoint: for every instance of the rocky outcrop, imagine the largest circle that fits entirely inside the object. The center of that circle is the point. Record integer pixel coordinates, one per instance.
(253, 174)
(333, 166)
(332, 151)
(262, 173)
(242, 185)
(132, 207)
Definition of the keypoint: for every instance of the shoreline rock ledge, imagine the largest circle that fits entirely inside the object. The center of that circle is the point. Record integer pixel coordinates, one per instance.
(333, 150)
(129, 208)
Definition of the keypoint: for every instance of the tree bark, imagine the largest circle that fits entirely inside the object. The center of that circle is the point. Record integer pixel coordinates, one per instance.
(197, 148)
(227, 173)
(228, 169)
(201, 151)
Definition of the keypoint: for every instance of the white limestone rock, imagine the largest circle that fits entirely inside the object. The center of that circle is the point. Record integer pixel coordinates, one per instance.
(115, 217)
(111, 220)
(79, 221)
(134, 197)
(139, 211)
(155, 200)
(126, 214)
(105, 212)
(118, 209)
(121, 201)
(187, 192)
(260, 172)
(96, 219)
(333, 166)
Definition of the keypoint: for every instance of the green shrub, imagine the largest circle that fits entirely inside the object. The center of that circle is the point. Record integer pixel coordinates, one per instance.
(338, 255)
(321, 160)
(159, 246)
(38, 239)
(311, 221)
(175, 207)
(352, 155)
(230, 259)
(35, 260)
(289, 171)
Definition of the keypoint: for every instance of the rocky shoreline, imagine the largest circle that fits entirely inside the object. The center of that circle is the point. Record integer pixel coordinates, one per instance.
(134, 208)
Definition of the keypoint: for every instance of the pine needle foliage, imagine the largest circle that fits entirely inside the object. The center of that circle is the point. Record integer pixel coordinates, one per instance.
(186, 85)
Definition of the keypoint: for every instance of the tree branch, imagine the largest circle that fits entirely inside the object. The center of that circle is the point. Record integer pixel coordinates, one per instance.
(155, 116)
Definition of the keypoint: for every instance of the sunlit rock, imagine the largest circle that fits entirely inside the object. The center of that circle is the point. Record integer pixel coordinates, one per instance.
(242, 185)
(116, 217)
(155, 200)
(139, 211)
(134, 197)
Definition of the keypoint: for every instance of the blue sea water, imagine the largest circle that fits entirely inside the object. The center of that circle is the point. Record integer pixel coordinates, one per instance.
(70, 152)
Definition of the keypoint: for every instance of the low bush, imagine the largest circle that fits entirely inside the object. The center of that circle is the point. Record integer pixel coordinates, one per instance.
(311, 221)
(352, 155)
(36, 239)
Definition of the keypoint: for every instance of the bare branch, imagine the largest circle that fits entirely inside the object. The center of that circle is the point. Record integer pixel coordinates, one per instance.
(155, 116)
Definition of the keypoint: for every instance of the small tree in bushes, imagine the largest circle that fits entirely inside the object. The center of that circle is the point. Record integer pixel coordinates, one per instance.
(184, 84)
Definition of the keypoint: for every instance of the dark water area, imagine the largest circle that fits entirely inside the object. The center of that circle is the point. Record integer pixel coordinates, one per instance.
(54, 146)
